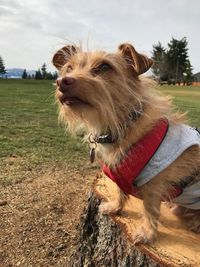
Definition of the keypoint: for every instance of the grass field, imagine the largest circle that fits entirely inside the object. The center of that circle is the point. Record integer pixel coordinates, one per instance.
(186, 98)
(31, 139)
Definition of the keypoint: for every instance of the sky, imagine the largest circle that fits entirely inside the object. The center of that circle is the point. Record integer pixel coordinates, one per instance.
(32, 31)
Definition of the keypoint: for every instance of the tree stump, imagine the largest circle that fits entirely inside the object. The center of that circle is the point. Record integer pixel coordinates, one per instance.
(105, 241)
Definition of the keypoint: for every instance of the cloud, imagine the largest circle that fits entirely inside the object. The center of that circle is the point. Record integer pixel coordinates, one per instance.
(32, 30)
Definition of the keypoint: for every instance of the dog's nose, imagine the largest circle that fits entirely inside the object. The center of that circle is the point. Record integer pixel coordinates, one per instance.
(65, 83)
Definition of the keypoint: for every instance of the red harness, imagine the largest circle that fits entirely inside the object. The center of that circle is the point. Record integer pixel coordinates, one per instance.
(125, 173)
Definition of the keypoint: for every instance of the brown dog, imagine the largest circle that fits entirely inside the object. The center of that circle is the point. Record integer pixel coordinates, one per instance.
(133, 130)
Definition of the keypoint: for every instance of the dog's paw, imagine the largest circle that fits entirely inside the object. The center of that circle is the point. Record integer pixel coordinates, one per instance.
(110, 207)
(144, 236)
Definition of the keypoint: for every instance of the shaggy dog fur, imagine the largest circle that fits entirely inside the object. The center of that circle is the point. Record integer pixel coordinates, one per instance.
(96, 92)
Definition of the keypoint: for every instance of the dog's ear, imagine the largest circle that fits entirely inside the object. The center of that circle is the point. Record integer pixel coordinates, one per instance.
(139, 62)
(62, 56)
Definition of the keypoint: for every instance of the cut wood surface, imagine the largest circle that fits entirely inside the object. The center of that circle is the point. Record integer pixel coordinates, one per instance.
(175, 246)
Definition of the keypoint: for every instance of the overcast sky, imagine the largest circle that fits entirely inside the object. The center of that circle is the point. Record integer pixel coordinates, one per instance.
(31, 31)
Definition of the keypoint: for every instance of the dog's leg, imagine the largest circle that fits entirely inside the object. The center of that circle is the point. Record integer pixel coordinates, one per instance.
(147, 232)
(114, 205)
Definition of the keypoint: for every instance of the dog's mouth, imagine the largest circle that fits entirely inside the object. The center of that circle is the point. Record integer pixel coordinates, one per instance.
(71, 101)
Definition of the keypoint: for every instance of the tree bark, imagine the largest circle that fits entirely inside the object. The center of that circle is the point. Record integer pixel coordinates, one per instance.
(101, 242)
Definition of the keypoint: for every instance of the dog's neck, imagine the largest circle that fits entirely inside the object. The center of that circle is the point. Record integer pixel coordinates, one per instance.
(108, 142)
(108, 138)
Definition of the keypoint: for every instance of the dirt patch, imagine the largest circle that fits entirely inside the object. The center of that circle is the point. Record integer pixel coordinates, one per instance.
(38, 218)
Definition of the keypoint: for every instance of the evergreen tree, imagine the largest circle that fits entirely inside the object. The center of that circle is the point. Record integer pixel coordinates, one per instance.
(38, 75)
(2, 67)
(172, 64)
(188, 76)
(55, 75)
(24, 74)
(177, 59)
(159, 67)
(49, 76)
(44, 70)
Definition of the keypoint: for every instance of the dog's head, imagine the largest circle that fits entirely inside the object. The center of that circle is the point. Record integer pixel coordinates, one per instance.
(98, 89)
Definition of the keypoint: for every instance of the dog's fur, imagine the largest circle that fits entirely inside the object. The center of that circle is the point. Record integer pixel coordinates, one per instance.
(105, 90)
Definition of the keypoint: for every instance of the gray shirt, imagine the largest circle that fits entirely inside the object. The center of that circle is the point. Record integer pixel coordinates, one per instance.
(179, 137)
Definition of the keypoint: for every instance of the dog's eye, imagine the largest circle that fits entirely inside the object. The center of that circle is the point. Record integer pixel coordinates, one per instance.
(103, 67)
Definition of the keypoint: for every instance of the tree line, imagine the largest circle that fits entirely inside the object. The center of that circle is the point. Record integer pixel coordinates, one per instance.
(171, 64)
(40, 74)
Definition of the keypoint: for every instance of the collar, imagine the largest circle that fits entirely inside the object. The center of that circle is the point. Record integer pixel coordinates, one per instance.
(108, 138)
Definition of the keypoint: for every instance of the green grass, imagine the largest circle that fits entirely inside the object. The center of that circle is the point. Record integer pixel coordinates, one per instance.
(31, 141)
(30, 136)
(186, 98)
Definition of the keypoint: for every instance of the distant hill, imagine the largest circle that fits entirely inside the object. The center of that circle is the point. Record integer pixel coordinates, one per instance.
(16, 73)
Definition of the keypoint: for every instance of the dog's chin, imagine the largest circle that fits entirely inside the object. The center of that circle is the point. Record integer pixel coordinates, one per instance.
(76, 113)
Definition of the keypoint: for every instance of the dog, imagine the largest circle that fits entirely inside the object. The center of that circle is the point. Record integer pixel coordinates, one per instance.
(143, 145)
